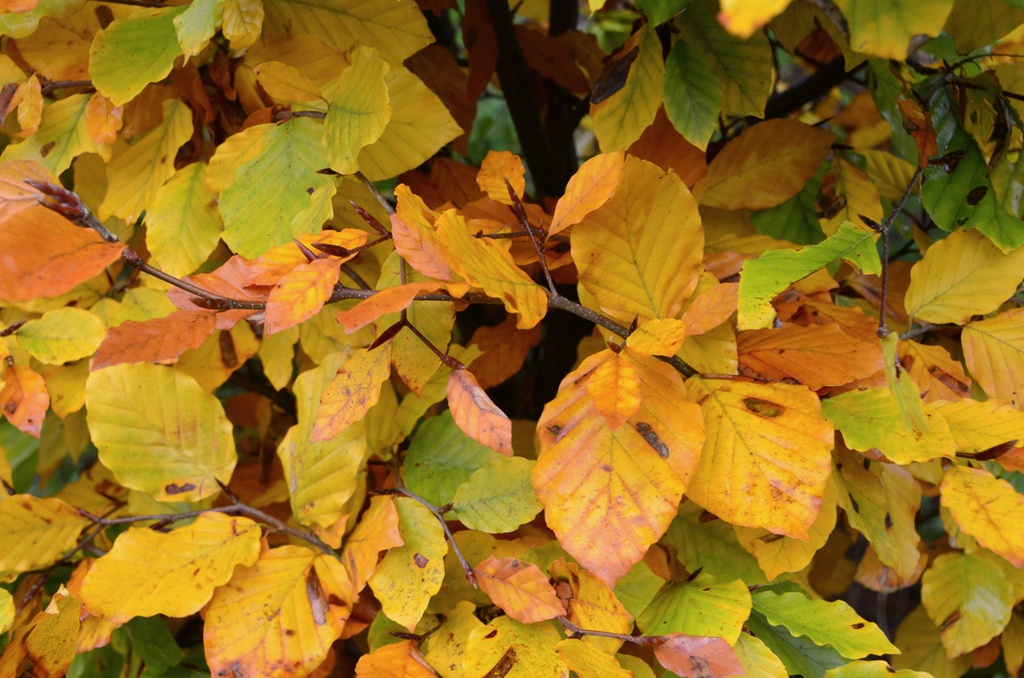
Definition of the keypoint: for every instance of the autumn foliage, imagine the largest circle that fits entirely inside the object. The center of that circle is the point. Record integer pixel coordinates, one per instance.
(416, 338)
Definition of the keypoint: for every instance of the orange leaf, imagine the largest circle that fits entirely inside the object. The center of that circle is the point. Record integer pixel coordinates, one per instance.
(391, 300)
(817, 356)
(15, 194)
(353, 391)
(614, 388)
(497, 168)
(476, 414)
(103, 119)
(711, 308)
(377, 531)
(415, 237)
(29, 100)
(396, 660)
(918, 122)
(24, 399)
(519, 588)
(766, 165)
(697, 656)
(988, 509)
(937, 375)
(300, 294)
(592, 186)
(227, 281)
(160, 340)
(610, 494)
(44, 255)
(664, 146)
(270, 266)
(505, 349)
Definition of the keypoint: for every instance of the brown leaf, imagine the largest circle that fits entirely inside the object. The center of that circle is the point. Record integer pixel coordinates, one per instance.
(160, 340)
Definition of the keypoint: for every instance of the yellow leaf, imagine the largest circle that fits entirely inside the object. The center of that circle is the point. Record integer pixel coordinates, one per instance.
(476, 414)
(352, 391)
(937, 375)
(409, 576)
(961, 276)
(183, 225)
(587, 662)
(446, 647)
(6, 611)
(35, 533)
(357, 109)
(640, 253)
(159, 432)
(219, 356)
(968, 598)
(979, 426)
(195, 559)
(994, 353)
(591, 603)
(777, 554)
(237, 150)
(396, 660)
(621, 116)
(62, 335)
(921, 647)
(279, 616)
(658, 337)
(816, 356)
(484, 264)
(396, 29)
(531, 645)
(47, 642)
(300, 294)
(885, 27)
(610, 494)
(614, 389)
(29, 100)
(197, 25)
(592, 186)
(519, 588)
(854, 194)
(765, 462)
(242, 22)
(757, 659)
(136, 173)
(420, 123)
(321, 475)
(286, 83)
(985, 507)
(63, 134)
(377, 531)
(766, 165)
(497, 168)
(881, 502)
(745, 18)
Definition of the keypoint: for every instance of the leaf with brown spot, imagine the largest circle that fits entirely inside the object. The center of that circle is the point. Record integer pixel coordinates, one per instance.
(519, 588)
(476, 414)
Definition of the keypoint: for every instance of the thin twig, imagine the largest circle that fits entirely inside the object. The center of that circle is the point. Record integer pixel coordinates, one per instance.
(268, 519)
(537, 236)
(923, 329)
(578, 632)
(62, 84)
(384, 202)
(466, 567)
(356, 278)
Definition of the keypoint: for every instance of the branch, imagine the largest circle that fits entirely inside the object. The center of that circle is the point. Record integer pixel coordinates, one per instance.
(439, 514)
(62, 84)
(811, 89)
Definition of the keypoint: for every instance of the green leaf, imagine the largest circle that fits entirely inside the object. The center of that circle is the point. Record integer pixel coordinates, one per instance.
(322, 475)
(770, 274)
(198, 24)
(968, 597)
(62, 335)
(800, 655)
(159, 432)
(441, 458)
(23, 24)
(660, 11)
(693, 97)
(411, 574)
(62, 135)
(357, 109)
(744, 67)
(699, 607)
(155, 643)
(711, 545)
(963, 196)
(621, 118)
(284, 176)
(498, 497)
(131, 53)
(396, 28)
(182, 224)
(825, 623)
(638, 588)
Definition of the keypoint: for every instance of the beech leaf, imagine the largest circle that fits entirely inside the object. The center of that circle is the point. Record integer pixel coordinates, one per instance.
(519, 588)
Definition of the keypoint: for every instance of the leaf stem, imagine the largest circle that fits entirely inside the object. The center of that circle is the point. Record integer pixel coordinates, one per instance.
(384, 202)
(536, 234)
(883, 330)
